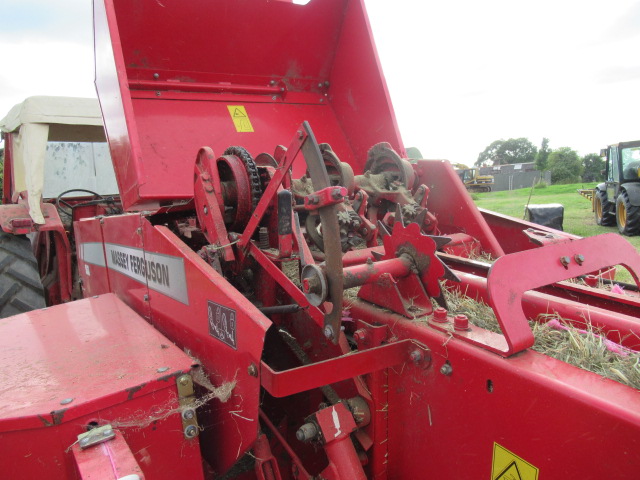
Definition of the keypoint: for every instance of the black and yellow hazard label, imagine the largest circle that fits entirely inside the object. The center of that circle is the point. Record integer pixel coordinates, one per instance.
(509, 466)
(240, 118)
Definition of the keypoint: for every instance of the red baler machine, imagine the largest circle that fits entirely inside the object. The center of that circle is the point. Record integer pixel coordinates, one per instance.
(271, 304)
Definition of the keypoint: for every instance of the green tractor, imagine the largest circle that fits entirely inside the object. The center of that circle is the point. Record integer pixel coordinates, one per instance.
(617, 200)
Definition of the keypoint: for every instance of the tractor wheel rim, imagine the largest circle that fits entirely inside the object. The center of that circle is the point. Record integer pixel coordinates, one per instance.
(599, 209)
(623, 214)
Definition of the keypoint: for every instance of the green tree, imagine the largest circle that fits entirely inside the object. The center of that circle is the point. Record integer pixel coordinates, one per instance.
(543, 155)
(593, 164)
(565, 166)
(514, 150)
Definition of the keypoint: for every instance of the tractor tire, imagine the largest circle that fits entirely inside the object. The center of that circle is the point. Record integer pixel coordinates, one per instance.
(20, 286)
(627, 215)
(603, 209)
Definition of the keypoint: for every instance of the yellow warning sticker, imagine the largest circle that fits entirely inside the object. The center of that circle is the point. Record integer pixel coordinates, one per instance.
(508, 466)
(240, 118)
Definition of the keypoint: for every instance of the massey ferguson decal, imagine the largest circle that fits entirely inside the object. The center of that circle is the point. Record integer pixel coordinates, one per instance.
(222, 323)
(163, 273)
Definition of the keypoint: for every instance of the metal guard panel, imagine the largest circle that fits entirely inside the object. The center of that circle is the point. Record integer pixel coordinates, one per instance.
(95, 351)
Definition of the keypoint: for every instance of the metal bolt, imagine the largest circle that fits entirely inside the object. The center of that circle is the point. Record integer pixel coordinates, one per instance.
(320, 85)
(337, 193)
(191, 431)
(326, 83)
(416, 356)
(300, 135)
(66, 401)
(565, 261)
(328, 331)
(274, 97)
(252, 370)
(369, 261)
(188, 413)
(282, 89)
(321, 100)
(307, 432)
(460, 322)
(145, 297)
(272, 82)
(184, 380)
(440, 315)
(579, 259)
(156, 76)
(157, 94)
(446, 369)
(162, 369)
(360, 335)
(206, 210)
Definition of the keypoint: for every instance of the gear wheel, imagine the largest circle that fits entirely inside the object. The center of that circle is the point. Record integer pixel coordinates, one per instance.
(252, 171)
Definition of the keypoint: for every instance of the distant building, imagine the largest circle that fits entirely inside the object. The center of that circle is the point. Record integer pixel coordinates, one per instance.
(514, 176)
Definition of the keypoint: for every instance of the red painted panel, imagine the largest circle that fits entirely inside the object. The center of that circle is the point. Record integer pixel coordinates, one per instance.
(123, 235)
(567, 422)
(168, 150)
(92, 265)
(453, 206)
(225, 332)
(90, 360)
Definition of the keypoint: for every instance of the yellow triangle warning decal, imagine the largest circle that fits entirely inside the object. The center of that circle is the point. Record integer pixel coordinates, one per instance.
(240, 118)
(509, 466)
(510, 473)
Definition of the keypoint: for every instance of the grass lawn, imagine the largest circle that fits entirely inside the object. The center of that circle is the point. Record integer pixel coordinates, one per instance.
(578, 217)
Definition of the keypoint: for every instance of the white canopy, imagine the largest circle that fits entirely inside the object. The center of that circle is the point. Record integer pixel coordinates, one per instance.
(33, 123)
(62, 110)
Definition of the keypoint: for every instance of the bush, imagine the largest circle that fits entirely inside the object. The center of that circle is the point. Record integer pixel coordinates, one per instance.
(565, 166)
(540, 184)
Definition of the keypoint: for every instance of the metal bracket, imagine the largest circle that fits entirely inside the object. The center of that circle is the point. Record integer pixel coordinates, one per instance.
(187, 399)
(95, 436)
(307, 377)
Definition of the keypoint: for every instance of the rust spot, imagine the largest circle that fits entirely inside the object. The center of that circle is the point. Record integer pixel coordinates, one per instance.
(46, 422)
(57, 416)
(132, 391)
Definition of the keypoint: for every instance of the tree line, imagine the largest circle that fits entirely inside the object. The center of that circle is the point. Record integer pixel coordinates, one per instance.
(565, 164)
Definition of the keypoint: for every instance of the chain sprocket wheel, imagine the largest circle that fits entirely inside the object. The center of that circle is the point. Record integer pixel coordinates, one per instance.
(241, 186)
(252, 171)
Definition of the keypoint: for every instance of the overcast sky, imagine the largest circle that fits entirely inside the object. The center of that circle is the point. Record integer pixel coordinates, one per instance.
(461, 73)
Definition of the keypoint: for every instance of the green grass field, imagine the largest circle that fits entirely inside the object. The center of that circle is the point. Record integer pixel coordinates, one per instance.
(578, 217)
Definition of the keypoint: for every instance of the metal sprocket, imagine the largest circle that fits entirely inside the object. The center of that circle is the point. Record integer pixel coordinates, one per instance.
(252, 171)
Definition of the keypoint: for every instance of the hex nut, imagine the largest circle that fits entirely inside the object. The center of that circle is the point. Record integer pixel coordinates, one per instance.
(188, 413)
(191, 431)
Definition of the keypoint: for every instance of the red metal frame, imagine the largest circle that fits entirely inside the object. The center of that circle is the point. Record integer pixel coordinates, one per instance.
(14, 218)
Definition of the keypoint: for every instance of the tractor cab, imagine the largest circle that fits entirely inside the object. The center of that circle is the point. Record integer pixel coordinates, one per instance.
(617, 200)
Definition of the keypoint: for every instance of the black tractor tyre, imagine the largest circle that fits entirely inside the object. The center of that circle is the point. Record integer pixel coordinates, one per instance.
(20, 286)
(627, 215)
(603, 209)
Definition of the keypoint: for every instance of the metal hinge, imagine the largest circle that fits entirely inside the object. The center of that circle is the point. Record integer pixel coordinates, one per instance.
(187, 398)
